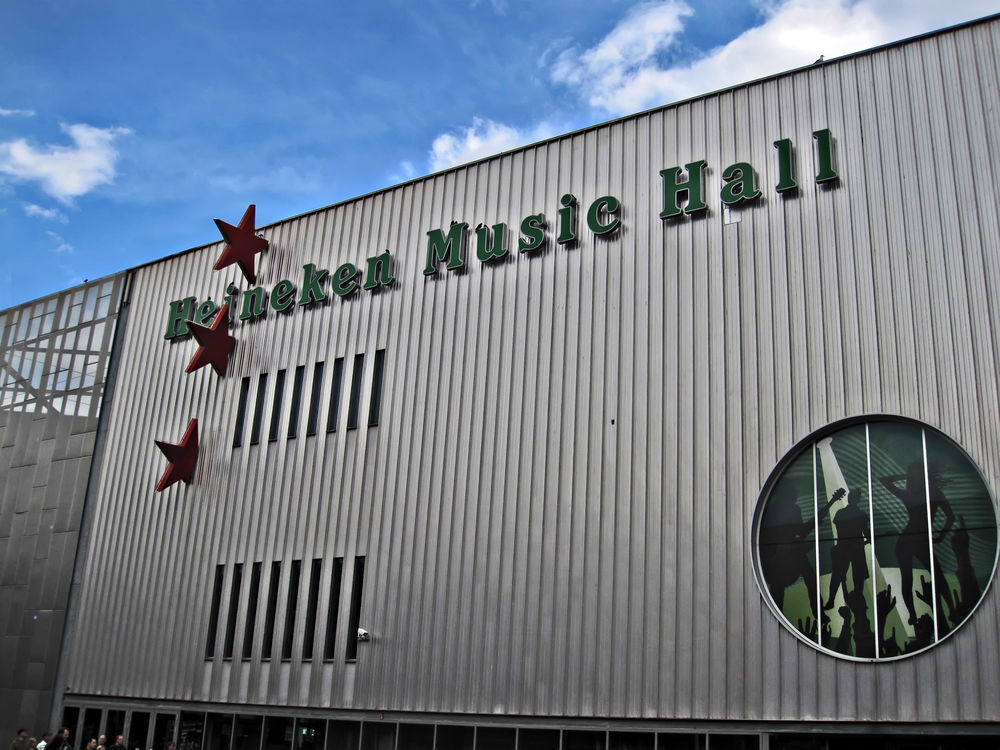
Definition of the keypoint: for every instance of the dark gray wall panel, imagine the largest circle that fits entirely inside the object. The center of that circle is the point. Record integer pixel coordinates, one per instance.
(53, 360)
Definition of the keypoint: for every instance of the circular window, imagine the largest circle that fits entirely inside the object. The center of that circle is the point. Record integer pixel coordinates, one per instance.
(875, 540)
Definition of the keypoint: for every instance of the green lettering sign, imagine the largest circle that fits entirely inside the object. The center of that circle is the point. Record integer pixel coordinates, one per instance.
(283, 295)
(441, 247)
(607, 204)
(379, 271)
(533, 229)
(740, 183)
(311, 289)
(344, 280)
(691, 188)
(487, 251)
(177, 318)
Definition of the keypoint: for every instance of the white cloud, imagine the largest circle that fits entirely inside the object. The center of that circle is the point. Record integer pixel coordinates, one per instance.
(65, 172)
(647, 30)
(13, 112)
(406, 172)
(45, 213)
(622, 72)
(61, 245)
(482, 138)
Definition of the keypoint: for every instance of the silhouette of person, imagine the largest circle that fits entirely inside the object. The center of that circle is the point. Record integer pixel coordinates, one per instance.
(969, 588)
(912, 542)
(849, 551)
(787, 554)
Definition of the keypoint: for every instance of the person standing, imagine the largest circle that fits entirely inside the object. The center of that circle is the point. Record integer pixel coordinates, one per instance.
(119, 743)
(46, 738)
(21, 741)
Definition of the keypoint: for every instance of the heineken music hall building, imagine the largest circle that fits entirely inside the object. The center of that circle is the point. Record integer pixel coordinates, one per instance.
(680, 431)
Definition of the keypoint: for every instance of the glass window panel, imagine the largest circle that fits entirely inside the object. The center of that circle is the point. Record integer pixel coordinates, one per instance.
(796, 742)
(97, 337)
(416, 737)
(22, 328)
(91, 726)
(277, 733)
(671, 741)
(90, 306)
(902, 550)
(190, 731)
(378, 736)
(454, 737)
(844, 542)
(163, 731)
(218, 731)
(964, 534)
(631, 741)
(733, 742)
(581, 740)
(786, 545)
(138, 730)
(114, 726)
(538, 739)
(247, 732)
(496, 738)
(103, 306)
(310, 734)
(344, 735)
(70, 718)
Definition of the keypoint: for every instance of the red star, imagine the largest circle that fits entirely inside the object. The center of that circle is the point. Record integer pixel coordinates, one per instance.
(216, 343)
(242, 245)
(182, 458)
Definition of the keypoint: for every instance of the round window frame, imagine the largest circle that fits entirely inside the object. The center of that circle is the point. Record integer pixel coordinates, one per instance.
(778, 471)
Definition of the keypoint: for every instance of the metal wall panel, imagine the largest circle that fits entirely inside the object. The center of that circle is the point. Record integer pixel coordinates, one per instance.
(54, 355)
(556, 505)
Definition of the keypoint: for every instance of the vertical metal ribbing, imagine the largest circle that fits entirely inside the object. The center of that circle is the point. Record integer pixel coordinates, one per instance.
(930, 531)
(871, 537)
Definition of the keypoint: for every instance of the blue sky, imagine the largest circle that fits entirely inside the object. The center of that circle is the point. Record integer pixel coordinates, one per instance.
(126, 127)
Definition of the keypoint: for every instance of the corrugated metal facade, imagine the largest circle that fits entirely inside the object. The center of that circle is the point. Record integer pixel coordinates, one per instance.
(556, 506)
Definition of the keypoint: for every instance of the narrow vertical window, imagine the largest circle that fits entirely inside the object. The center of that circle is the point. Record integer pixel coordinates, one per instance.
(310, 636)
(251, 611)
(334, 608)
(338, 376)
(234, 610)
(356, 377)
(374, 409)
(317, 392)
(293, 418)
(272, 606)
(241, 412)
(354, 618)
(213, 615)
(279, 388)
(258, 409)
(291, 603)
